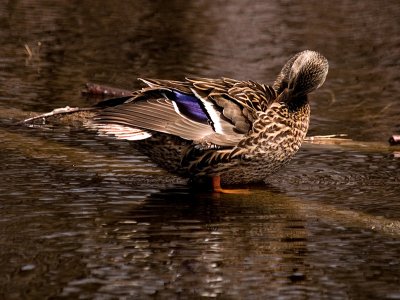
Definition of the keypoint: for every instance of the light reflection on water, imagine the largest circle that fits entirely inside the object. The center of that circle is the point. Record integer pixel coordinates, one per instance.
(86, 217)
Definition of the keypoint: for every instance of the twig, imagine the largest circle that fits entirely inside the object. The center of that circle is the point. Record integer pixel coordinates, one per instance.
(28, 51)
(93, 89)
(339, 136)
(57, 111)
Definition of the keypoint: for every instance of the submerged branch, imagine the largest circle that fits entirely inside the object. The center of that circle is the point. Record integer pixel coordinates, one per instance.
(347, 217)
(94, 89)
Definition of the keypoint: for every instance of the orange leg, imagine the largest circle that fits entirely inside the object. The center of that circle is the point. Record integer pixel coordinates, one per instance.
(216, 183)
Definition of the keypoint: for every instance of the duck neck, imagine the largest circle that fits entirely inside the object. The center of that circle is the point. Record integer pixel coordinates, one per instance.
(293, 103)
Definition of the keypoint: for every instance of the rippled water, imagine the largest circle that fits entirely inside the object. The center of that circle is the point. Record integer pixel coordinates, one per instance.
(91, 218)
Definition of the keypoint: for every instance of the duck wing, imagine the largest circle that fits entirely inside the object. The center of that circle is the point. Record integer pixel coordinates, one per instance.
(237, 101)
(206, 111)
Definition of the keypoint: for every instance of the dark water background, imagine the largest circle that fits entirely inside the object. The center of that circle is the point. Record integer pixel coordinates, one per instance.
(83, 217)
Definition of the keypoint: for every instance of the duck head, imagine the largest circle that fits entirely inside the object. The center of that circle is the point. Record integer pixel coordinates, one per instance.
(303, 73)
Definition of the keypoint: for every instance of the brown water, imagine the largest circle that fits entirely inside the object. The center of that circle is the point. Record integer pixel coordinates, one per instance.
(83, 217)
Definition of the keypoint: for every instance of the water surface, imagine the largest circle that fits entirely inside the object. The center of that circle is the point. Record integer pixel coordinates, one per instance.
(91, 218)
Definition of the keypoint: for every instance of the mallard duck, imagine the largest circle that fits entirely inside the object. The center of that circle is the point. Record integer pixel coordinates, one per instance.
(232, 131)
(235, 132)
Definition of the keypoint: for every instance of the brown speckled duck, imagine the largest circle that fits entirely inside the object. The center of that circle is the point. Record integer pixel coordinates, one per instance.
(228, 130)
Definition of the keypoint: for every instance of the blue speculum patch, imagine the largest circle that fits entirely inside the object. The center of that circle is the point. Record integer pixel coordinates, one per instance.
(189, 106)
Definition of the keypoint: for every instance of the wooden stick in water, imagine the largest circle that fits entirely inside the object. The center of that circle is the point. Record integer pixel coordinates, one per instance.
(93, 89)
